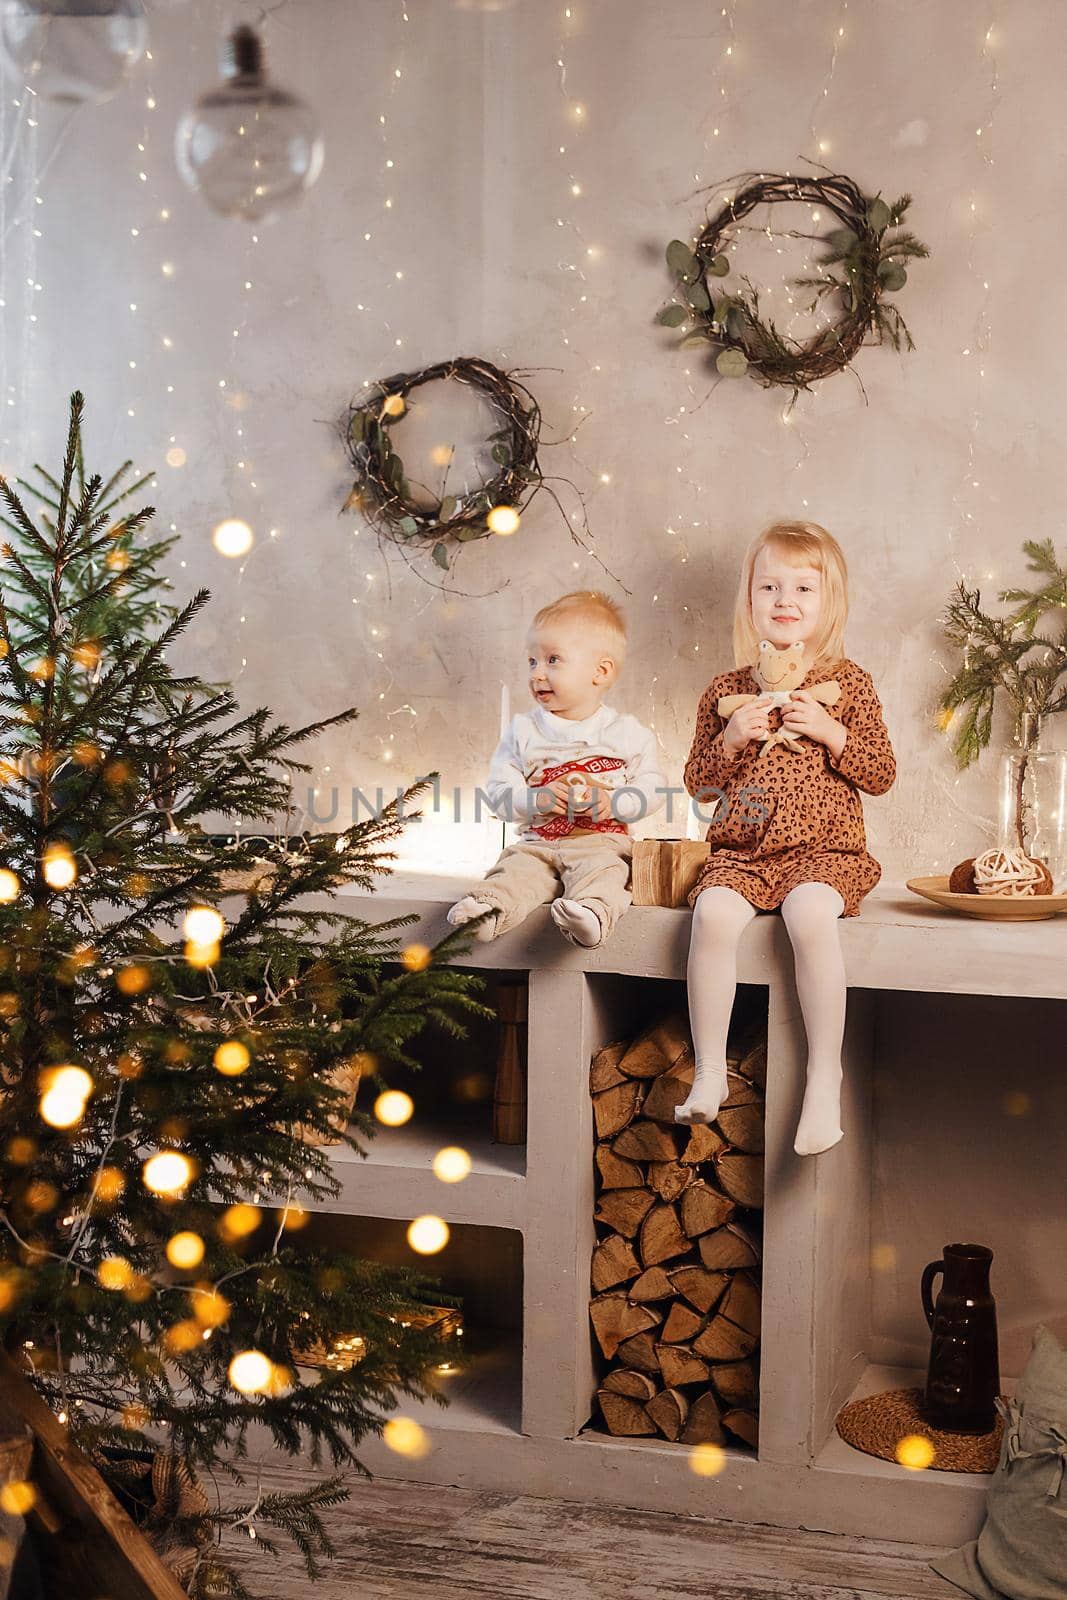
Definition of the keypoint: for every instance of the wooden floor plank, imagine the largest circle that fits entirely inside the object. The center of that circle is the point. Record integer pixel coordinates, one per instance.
(406, 1541)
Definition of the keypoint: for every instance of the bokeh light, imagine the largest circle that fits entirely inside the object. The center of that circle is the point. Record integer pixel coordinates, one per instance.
(167, 1173)
(10, 887)
(914, 1452)
(66, 1091)
(250, 1372)
(203, 925)
(185, 1250)
(428, 1234)
(503, 520)
(406, 1437)
(451, 1164)
(233, 537)
(393, 1107)
(707, 1460)
(232, 1058)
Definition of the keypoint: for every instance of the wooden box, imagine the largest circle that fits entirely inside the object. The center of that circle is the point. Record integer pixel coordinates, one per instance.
(664, 870)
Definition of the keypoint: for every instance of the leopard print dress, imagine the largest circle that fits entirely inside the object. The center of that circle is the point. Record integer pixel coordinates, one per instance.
(788, 818)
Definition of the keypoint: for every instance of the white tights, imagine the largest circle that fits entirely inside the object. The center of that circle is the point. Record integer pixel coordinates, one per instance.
(810, 912)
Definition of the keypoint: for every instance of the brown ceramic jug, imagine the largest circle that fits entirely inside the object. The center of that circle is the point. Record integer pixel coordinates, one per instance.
(963, 1378)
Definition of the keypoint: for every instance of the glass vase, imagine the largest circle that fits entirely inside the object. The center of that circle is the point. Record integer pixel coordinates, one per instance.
(1032, 801)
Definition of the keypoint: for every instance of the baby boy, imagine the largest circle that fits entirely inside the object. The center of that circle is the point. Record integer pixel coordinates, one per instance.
(575, 774)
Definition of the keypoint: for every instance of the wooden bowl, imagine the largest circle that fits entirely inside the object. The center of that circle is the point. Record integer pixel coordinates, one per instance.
(992, 907)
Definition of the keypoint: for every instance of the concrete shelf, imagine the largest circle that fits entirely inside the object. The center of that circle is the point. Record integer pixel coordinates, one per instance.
(954, 1102)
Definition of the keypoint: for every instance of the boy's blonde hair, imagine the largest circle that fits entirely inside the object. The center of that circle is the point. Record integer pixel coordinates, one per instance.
(598, 611)
(801, 544)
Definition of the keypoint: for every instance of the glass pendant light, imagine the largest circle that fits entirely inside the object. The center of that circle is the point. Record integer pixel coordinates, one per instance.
(249, 148)
(72, 51)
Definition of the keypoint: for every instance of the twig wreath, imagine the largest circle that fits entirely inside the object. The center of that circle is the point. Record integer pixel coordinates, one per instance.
(386, 496)
(871, 264)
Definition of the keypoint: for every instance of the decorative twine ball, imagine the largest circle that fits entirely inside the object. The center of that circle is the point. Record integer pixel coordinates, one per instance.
(1006, 872)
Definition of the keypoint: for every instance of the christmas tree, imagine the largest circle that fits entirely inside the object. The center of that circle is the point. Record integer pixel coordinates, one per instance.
(164, 1068)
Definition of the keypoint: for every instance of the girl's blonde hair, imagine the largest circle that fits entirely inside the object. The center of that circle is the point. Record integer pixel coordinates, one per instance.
(801, 544)
(598, 611)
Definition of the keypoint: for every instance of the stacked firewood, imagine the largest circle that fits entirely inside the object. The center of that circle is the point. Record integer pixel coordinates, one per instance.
(675, 1273)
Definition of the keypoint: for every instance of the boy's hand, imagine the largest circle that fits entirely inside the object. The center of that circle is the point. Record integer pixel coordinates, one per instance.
(599, 807)
(804, 714)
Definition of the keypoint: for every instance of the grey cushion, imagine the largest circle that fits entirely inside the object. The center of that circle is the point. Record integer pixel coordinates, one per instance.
(1021, 1552)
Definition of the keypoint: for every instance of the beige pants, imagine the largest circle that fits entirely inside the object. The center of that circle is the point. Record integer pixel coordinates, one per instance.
(593, 869)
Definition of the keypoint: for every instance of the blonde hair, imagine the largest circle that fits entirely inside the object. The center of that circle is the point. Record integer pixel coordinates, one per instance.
(800, 544)
(594, 608)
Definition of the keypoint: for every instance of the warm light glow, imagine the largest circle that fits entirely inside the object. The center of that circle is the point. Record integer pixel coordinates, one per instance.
(10, 887)
(1017, 1103)
(441, 455)
(167, 1173)
(17, 1497)
(406, 1437)
(883, 1257)
(233, 537)
(58, 867)
(416, 957)
(914, 1452)
(134, 980)
(176, 456)
(707, 1460)
(203, 925)
(238, 1221)
(110, 1184)
(394, 405)
(503, 520)
(183, 1336)
(250, 1372)
(114, 1273)
(202, 955)
(393, 1107)
(232, 1058)
(209, 1307)
(428, 1234)
(66, 1090)
(452, 1164)
(185, 1250)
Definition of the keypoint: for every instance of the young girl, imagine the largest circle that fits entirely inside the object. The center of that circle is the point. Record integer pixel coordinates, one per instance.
(798, 841)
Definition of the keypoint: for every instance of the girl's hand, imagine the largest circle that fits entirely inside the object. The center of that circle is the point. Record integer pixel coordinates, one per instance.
(804, 714)
(748, 722)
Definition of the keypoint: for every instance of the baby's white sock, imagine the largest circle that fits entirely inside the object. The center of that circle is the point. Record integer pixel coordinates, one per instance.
(819, 1127)
(467, 909)
(580, 922)
(706, 1095)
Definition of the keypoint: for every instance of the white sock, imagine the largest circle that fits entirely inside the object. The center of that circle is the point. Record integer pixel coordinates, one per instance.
(467, 909)
(579, 922)
(819, 1127)
(706, 1095)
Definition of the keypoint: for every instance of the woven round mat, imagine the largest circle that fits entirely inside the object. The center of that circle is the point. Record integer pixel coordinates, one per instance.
(877, 1424)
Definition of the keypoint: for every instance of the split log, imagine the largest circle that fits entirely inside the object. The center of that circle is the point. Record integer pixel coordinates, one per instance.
(669, 1179)
(741, 1126)
(653, 1284)
(613, 1262)
(704, 1209)
(624, 1210)
(616, 1108)
(741, 1303)
(604, 1072)
(678, 1364)
(741, 1091)
(645, 1141)
(666, 1093)
(669, 1412)
(615, 1171)
(699, 1286)
(661, 1236)
(740, 1175)
(732, 1246)
(640, 1352)
(682, 1324)
(616, 1321)
(723, 1340)
(705, 1143)
(745, 1424)
(624, 1380)
(753, 1063)
(625, 1417)
(736, 1383)
(703, 1424)
(659, 1048)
